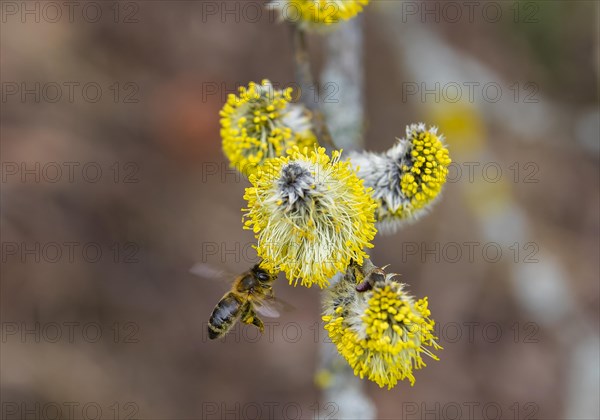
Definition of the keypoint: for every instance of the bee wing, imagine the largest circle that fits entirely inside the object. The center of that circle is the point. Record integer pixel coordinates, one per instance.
(210, 272)
(272, 308)
(267, 308)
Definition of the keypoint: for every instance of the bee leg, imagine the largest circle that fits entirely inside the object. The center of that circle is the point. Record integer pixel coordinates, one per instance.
(258, 323)
(249, 317)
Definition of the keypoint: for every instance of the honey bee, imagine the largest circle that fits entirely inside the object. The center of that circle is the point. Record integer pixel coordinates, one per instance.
(251, 293)
(371, 275)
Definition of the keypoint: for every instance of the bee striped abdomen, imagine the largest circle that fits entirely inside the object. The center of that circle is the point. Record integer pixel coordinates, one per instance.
(224, 315)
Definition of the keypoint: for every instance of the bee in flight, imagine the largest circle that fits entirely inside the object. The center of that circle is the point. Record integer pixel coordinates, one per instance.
(251, 293)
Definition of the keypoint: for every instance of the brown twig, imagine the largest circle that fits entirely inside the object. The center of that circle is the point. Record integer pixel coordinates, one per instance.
(306, 82)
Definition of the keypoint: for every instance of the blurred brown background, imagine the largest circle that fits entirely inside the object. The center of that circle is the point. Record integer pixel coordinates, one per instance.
(114, 185)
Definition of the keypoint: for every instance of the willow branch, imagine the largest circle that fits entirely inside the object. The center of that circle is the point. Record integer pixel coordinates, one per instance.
(306, 82)
(343, 83)
(344, 67)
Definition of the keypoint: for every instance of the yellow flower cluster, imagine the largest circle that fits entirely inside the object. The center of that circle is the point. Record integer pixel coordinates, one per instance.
(311, 215)
(382, 333)
(262, 123)
(406, 179)
(319, 12)
(422, 181)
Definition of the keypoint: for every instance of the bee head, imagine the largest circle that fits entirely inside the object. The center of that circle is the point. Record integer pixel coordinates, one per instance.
(376, 275)
(262, 275)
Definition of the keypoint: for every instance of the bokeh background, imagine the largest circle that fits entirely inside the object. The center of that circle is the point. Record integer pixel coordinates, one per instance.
(114, 185)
